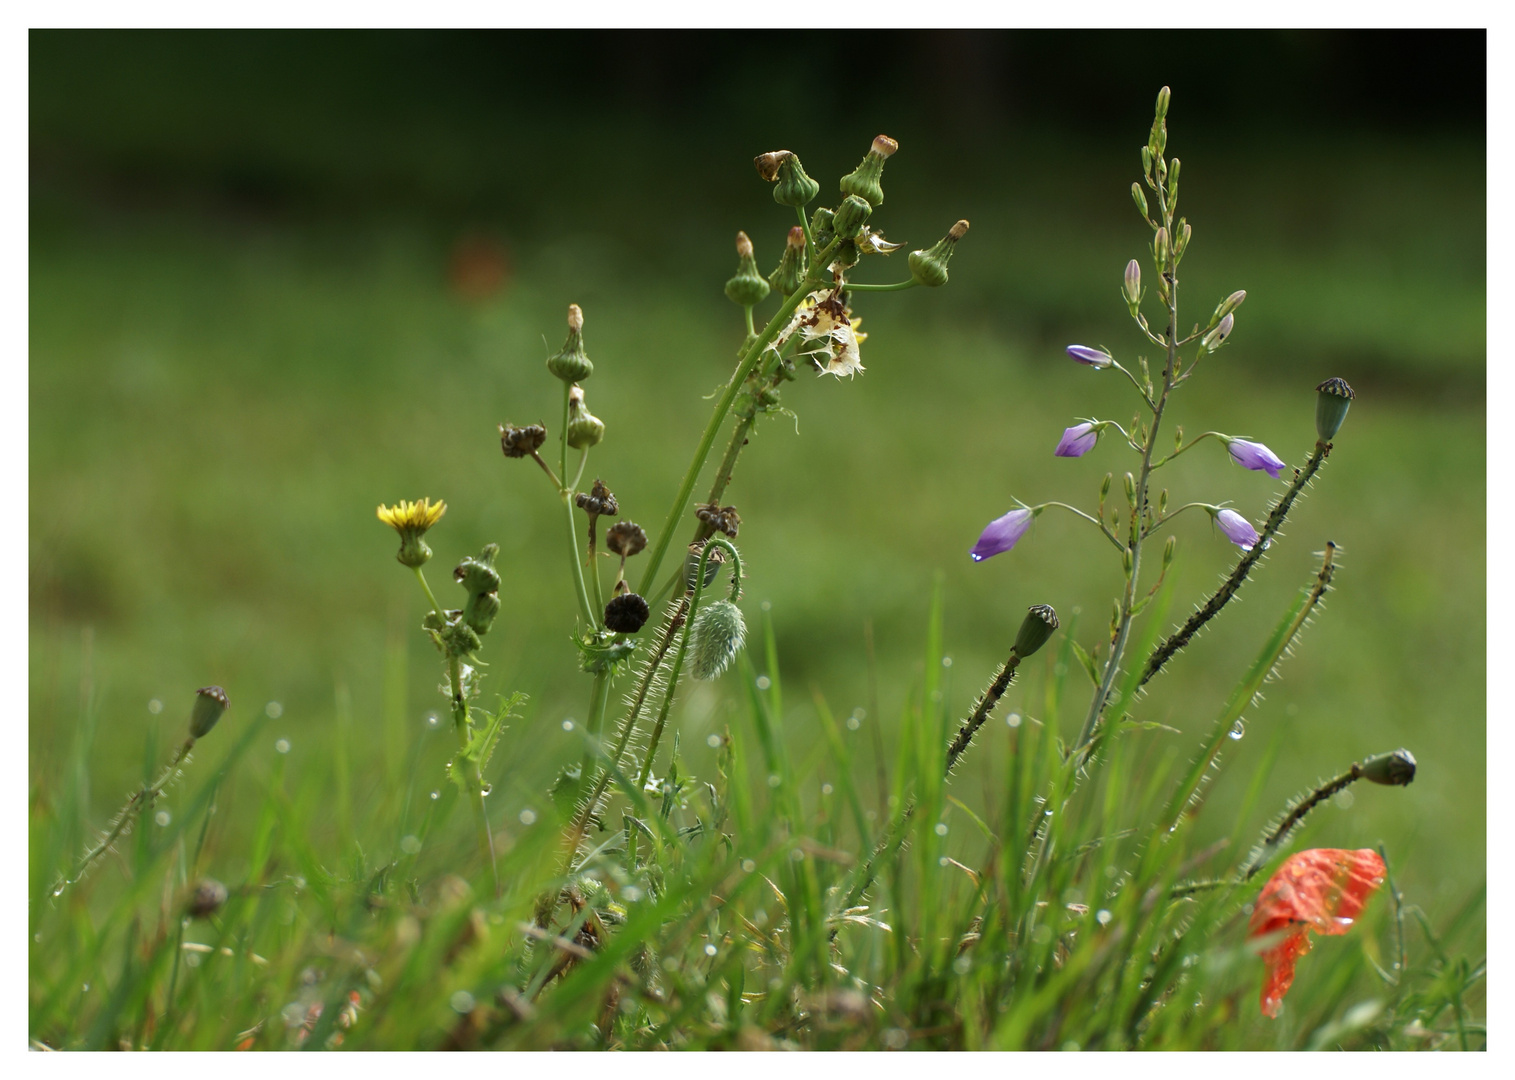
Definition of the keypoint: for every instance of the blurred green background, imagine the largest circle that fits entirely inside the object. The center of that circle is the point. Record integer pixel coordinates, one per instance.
(278, 278)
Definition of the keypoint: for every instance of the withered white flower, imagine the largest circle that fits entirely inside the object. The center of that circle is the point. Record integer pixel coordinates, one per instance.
(828, 335)
(870, 242)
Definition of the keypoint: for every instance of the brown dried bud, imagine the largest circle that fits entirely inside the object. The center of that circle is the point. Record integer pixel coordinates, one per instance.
(597, 501)
(207, 898)
(575, 318)
(521, 441)
(884, 146)
(723, 519)
(626, 538)
(768, 164)
(626, 613)
(743, 246)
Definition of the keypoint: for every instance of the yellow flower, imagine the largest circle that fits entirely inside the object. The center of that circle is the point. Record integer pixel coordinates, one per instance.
(411, 520)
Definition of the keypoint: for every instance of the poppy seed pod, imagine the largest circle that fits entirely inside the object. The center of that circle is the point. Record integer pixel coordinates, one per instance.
(571, 363)
(864, 180)
(1395, 769)
(747, 287)
(1036, 629)
(850, 216)
(719, 632)
(210, 703)
(1331, 405)
(625, 538)
(929, 267)
(793, 187)
(626, 614)
(692, 564)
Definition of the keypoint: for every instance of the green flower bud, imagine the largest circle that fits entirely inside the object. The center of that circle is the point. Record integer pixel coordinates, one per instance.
(792, 187)
(1334, 398)
(210, 703)
(1131, 489)
(1132, 285)
(822, 227)
(692, 564)
(1228, 305)
(584, 429)
(747, 287)
(1146, 161)
(719, 633)
(1163, 97)
(479, 611)
(571, 364)
(478, 574)
(929, 267)
(460, 639)
(864, 180)
(1139, 197)
(1168, 550)
(1104, 488)
(1395, 769)
(1160, 248)
(786, 278)
(851, 215)
(1173, 167)
(1036, 629)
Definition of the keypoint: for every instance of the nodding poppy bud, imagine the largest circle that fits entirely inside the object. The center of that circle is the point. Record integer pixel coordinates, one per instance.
(210, 703)
(571, 364)
(864, 180)
(625, 538)
(626, 613)
(1331, 405)
(792, 187)
(584, 428)
(1036, 629)
(692, 564)
(207, 898)
(747, 287)
(1395, 769)
(1139, 198)
(598, 500)
(719, 632)
(790, 271)
(929, 267)
(850, 216)
(520, 441)
(1133, 283)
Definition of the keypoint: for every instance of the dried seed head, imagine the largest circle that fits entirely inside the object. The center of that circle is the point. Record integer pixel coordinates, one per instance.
(598, 500)
(206, 899)
(626, 613)
(723, 519)
(626, 538)
(520, 441)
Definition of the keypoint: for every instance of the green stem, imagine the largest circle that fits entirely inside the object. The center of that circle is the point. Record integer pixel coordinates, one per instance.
(809, 240)
(472, 775)
(748, 361)
(596, 723)
(430, 596)
(747, 312)
(895, 287)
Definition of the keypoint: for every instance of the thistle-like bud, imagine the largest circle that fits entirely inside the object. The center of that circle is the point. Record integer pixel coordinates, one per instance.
(459, 639)
(790, 271)
(625, 538)
(1334, 398)
(1036, 629)
(929, 267)
(584, 428)
(206, 899)
(1228, 305)
(864, 180)
(1139, 198)
(210, 703)
(1133, 283)
(850, 216)
(793, 187)
(626, 613)
(1217, 337)
(822, 227)
(692, 563)
(520, 441)
(747, 287)
(1395, 769)
(571, 364)
(719, 632)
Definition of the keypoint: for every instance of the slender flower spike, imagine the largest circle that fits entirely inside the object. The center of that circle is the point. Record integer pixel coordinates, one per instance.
(1095, 358)
(1238, 529)
(1324, 890)
(1254, 456)
(1002, 534)
(1077, 440)
(411, 520)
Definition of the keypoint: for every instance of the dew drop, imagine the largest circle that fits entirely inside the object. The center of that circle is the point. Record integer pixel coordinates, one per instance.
(486, 789)
(411, 845)
(709, 950)
(163, 817)
(432, 719)
(826, 789)
(764, 682)
(154, 706)
(1014, 719)
(713, 741)
(748, 865)
(854, 722)
(941, 828)
(1238, 729)
(282, 746)
(436, 795)
(273, 710)
(1103, 917)
(528, 816)
(568, 724)
(946, 661)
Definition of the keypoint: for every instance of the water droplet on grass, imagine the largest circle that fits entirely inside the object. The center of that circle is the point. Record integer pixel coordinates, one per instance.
(462, 1002)
(713, 741)
(273, 710)
(436, 795)
(1013, 720)
(764, 682)
(568, 724)
(1238, 729)
(411, 845)
(748, 865)
(941, 828)
(528, 816)
(154, 706)
(282, 746)
(709, 950)
(163, 817)
(432, 719)
(854, 722)
(1103, 917)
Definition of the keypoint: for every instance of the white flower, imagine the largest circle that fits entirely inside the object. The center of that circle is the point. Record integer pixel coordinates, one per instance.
(827, 335)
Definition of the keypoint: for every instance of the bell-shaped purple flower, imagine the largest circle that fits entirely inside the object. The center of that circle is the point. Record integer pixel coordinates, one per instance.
(1077, 440)
(1001, 534)
(1095, 358)
(1238, 529)
(1254, 455)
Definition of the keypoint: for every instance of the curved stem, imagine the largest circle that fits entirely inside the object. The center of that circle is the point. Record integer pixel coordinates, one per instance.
(1090, 518)
(895, 287)
(1140, 389)
(1188, 445)
(1160, 522)
(573, 559)
(431, 597)
(583, 460)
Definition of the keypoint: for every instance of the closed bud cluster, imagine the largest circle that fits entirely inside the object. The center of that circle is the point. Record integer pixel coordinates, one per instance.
(747, 287)
(849, 216)
(929, 267)
(718, 633)
(518, 442)
(481, 581)
(864, 181)
(1333, 399)
(1036, 629)
(790, 272)
(571, 363)
(584, 428)
(1395, 769)
(210, 703)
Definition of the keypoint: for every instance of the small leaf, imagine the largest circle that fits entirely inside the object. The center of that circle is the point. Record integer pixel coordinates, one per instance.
(1086, 660)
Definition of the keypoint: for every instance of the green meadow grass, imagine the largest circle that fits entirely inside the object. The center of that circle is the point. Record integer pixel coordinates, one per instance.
(218, 404)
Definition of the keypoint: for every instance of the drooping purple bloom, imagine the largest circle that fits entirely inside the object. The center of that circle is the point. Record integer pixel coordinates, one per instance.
(1254, 455)
(1238, 529)
(1001, 534)
(1095, 358)
(1077, 441)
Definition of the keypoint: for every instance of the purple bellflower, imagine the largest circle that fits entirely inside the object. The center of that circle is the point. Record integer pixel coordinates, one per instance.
(1077, 440)
(1095, 358)
(1254, 455)
(1001, 534)
(1238, 529)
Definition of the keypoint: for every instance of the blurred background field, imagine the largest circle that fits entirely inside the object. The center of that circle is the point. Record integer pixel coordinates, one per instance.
(277, 279)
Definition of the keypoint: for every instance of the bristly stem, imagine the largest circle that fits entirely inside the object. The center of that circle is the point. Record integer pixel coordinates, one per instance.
(133, 806)
(986, 703)
(1222, 596)
(473, 777)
